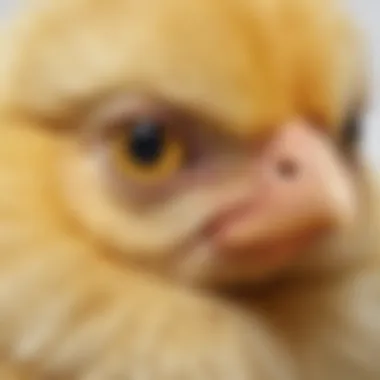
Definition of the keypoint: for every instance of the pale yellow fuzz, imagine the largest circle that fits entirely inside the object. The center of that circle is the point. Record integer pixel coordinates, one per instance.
(91, 285)
(68, 312)
(248, 64)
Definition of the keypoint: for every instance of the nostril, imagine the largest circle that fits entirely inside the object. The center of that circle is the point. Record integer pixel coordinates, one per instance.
(287, 168)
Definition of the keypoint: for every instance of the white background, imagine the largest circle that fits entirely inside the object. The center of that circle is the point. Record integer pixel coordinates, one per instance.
(368, 15)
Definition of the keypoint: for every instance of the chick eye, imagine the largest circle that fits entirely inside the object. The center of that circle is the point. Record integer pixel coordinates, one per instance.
(148, 150)
(146, 143)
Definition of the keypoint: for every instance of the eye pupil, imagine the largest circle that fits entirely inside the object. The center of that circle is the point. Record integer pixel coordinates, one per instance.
(146, 142)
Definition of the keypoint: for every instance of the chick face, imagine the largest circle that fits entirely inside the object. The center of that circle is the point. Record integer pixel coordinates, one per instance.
(164, 120)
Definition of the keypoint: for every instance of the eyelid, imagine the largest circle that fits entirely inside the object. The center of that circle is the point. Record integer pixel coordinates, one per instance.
(105, 123)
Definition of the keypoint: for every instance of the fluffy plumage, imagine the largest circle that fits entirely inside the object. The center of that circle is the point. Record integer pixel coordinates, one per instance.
(91, 280)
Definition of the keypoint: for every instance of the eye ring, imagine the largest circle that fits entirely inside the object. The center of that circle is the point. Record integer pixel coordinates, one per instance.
(110, 129)
(147, 150)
